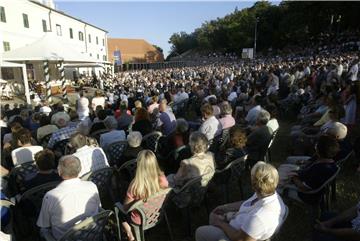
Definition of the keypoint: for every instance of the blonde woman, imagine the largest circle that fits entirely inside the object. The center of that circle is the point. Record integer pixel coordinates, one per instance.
(149, 179)
(257, 218)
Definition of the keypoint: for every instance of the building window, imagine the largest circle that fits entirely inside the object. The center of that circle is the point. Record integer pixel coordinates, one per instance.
(97, 56)
(2, 15)
(6, 46)
(103, 42)
(81, 36)
(89, 38)
(104, 57)
(58, 30)
(25, 20)
(90, 54)
(97, 40)
(7, 73)
(44, 25)
(71, 33)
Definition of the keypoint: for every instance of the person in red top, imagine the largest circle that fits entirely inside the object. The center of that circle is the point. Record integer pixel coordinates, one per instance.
(149, 179)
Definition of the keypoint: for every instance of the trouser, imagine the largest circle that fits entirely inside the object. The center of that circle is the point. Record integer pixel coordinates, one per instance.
(210, 233)
(319, 236)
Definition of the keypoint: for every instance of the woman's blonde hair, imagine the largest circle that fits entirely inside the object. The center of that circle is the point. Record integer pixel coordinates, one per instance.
(146, 181)
(264, 178)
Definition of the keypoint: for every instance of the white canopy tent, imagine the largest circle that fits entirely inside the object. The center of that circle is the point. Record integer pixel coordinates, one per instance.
(25, 79)
(49, 48)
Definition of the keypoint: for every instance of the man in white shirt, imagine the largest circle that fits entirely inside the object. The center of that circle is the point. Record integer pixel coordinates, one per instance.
(257, 218)
(82, 106)
(71, 201)
(26, 152)
(113, 135)
(91, 158)
(180, 96)
(211, 127)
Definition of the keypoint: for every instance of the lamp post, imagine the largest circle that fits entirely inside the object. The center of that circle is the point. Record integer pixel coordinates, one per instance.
(255, 38)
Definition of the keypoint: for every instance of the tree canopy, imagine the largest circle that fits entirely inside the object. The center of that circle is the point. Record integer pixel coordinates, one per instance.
(278, 26)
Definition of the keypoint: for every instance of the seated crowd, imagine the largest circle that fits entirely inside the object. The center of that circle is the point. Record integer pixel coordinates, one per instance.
(190, 123)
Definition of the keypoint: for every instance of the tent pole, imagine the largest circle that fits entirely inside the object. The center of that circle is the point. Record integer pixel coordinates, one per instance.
(47, 79)
(62, 79)
(26, 84)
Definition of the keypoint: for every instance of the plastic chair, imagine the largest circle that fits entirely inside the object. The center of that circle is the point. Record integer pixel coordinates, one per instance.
(45, 140)
(115, 150)
(129, 168)
(102, 179)
(324, 203)
(60, 148)
(18, 175)
(192, 194)
(92, 228)
(233, 169)
(97, 134)
(151, 140)
(151, 211)
(267, 157)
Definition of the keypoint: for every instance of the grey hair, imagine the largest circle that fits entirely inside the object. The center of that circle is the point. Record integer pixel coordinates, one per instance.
(110, 122)
(134, 139)
(225, 108)
(69, 166)
(263, 117)
(198, 142)
(182, 125)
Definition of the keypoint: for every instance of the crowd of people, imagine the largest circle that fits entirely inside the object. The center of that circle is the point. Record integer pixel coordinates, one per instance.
(208, 116)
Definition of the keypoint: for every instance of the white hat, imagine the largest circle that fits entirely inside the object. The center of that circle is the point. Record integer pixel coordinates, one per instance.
(338, 130)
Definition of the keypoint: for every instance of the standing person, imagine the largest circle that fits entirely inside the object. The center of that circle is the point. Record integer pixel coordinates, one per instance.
(82, 106)
(167, 119)
(71, 201)
(99, 99)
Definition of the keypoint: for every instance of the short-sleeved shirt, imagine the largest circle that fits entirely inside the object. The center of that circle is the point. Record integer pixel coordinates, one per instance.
(261, 219)
(167, 121)
(91, 159)
(252, 115)
(61, 134)
(211, 128)
(71, 201)
(111, 137)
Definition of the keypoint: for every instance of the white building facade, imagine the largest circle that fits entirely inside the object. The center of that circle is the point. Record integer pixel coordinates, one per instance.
(23, 22)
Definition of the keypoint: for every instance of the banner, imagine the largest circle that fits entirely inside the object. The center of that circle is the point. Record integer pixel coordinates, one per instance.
(117, 57)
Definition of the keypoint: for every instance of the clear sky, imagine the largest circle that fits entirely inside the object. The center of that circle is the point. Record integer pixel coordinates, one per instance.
(152, 21)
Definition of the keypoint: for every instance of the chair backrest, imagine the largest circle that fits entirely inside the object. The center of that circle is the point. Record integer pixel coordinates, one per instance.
(341, 162)
(91, 228)
(151, 209)
(115, 150)
(101, 178)
(325, 184)
(129, 167)
(151, 140)
(35, 195)
(192, 193)
(19, 175)
(45, 140)
(238, 165)
(272, 139)
(97, 134)
(61, 146)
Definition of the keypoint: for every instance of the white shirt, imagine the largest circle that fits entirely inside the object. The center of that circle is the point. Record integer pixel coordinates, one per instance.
(252, 115)
(82, 107)
(273, 124)
(232, 96)
(111, 137)
(261, 220)
(91, 158)
(354, 72)
(97, 101)
(211, 128)
(71, 201)
(24, 154)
